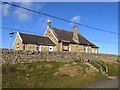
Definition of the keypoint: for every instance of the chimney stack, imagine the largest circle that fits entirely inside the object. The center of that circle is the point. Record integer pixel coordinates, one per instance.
(75, 34)
(48, 23)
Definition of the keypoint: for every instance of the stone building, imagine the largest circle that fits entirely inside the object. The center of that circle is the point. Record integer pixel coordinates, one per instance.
(55, 39)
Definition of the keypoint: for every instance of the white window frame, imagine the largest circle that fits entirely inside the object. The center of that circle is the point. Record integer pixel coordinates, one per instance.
(96, 51)
(50, 48)
(93, 51)
(86, 49)
(69, 47)
(39, 48)
(18, 45)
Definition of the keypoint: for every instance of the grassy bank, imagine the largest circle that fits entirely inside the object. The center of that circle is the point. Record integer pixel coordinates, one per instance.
(49, 75)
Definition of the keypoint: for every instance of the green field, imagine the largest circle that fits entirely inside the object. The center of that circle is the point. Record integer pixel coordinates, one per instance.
(49, 75)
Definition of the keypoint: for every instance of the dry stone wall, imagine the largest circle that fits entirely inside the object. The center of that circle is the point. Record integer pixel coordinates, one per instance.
(13, 57)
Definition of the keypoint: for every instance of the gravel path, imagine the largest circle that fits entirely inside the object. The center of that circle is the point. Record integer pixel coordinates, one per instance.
(112, 82)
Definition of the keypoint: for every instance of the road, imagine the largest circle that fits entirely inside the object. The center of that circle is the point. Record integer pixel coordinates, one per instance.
(110, 83)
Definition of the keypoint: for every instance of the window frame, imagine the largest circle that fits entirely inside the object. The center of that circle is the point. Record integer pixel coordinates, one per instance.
(85, 49)
(18, 45)
(65, 45)
(39, 48)
(51, 49)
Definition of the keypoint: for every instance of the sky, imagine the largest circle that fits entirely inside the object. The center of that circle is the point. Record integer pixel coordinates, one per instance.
(102, 15)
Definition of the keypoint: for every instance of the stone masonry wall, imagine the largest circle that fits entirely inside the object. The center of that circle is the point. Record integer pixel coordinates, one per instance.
(32, 56)
(30, 47)
(18, 45)
(49, 34)
(77, 48)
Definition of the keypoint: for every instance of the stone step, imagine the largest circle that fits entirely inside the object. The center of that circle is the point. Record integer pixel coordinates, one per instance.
(92, 66)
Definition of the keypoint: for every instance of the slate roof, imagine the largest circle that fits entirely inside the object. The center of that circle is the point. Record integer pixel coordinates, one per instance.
(36, 39)
(64, 35)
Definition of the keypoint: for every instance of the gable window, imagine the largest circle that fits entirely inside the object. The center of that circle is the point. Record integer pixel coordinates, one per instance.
(37, 48)
(50, 48)
(18, 45)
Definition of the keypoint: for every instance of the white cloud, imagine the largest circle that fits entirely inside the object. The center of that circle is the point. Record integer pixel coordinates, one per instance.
(26, 4)
(75, 19)
(21, 14)
(5, 9)
(39, 6)
(24, 15)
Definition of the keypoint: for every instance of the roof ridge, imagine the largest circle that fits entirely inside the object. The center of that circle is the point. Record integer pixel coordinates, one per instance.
(62, 29)
(66, 30)
(32, 34)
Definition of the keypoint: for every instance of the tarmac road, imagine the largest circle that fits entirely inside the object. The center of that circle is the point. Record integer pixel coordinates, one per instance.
(112, 82)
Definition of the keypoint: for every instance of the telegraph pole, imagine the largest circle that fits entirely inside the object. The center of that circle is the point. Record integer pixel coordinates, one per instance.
(10, 34)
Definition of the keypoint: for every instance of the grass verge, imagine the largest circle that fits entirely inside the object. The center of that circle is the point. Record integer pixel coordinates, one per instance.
(41, 75)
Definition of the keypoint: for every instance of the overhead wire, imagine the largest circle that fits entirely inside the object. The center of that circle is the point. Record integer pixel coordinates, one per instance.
(38, 12)
(16, 30)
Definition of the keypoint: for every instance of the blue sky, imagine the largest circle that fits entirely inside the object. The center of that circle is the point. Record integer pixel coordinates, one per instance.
(100, 15)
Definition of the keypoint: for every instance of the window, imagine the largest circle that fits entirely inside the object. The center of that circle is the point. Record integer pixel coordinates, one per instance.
(38, 48)
(85, 48)
(50, 48)
(96, 51)
(18, 45)
(92, 50)
(69, 47)
(65, 46)
(24, 46)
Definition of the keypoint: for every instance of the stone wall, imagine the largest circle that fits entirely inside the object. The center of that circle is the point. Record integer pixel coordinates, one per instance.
(32, 56)
(30, 47)
(77, 48)
(17, 44)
